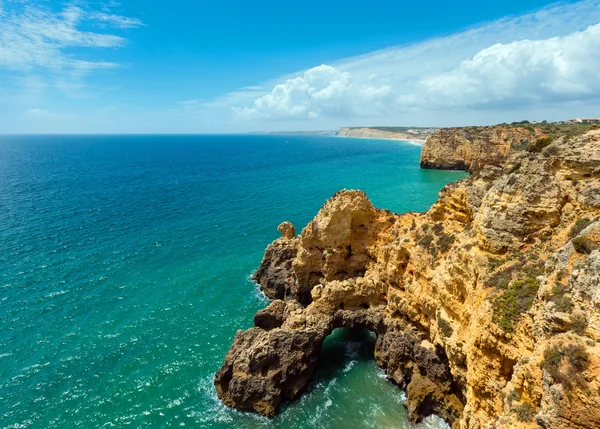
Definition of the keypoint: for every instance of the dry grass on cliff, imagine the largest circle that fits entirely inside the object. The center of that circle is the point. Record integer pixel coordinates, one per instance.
(555, 129)
(566, 364)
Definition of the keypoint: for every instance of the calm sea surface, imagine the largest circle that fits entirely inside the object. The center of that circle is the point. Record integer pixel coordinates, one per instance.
(125, 264)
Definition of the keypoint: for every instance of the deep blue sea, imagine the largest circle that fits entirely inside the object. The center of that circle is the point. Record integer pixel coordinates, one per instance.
(125, 265)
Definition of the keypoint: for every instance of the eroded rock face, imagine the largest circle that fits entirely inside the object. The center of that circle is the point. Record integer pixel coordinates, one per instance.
(333, 246)
(422, 369)
(262, 368)
(275, 314)
(473, 148)
(471, 301)
(518, 204)
(288, 232)
(275, 274)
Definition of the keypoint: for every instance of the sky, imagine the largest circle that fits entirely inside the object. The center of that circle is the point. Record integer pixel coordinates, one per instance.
(239, 66)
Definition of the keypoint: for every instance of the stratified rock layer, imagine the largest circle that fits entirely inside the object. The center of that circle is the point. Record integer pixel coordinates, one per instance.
(473, 148)
(486, 307)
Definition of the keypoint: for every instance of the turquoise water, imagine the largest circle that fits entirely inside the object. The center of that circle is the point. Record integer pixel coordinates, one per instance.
(125, 264)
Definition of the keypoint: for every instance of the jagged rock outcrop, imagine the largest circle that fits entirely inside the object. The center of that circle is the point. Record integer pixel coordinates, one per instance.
(473, 148)
(264, 367)
(288, 232)
(275, 274)
(486, 307)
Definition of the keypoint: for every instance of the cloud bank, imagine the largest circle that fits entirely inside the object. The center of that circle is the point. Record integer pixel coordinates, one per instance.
(321, 91)
(540, 59)
(523, 72)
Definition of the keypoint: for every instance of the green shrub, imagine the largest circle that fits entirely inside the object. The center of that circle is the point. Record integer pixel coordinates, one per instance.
(539, 144)
(426, 240)
(501, 279)
(524, 412)
(574, 181)
(577, 357)
(425, 227)
(445, 327)
(561, 302)
(551, 151)
(579, 323)
(512, 396)
(534, 270)
(584, 245)
(445, 241)
(566, 364)
(529, 128)
(494, 263)
(513, 302)
(438, 228)
(579, 226)
(469, 246)
(552, 356)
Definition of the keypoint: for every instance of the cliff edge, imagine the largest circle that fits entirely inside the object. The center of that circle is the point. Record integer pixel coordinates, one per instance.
(486, 307)
(472, 148)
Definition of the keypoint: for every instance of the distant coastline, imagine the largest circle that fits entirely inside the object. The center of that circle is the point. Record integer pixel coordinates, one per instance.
(415, 135)
(412, 134)
(416, 142)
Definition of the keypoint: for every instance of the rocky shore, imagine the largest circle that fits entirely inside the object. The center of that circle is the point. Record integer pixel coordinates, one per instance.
(486, 307)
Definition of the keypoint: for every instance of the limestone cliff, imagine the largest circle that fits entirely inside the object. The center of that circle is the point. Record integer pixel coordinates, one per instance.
(472, 148)
(486, 307)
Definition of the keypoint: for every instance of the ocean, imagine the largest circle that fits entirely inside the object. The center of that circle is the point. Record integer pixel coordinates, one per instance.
(125, 266)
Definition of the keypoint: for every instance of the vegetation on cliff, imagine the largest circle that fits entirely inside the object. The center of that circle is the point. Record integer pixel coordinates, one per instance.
(486, 308)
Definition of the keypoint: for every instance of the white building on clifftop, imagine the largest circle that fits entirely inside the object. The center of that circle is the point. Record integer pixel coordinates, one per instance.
(584, 121)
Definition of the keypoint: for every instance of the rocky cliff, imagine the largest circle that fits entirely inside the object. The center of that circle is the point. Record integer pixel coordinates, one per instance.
(472, 148)
(486, 307)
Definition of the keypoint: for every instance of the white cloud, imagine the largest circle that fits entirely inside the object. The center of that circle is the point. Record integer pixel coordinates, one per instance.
(515, 63)
(32, 36)
(321, 91)
(525, 72)
(37, 112)
(116, 21)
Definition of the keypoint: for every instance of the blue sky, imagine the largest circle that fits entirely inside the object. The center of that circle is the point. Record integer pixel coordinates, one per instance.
(233, 66)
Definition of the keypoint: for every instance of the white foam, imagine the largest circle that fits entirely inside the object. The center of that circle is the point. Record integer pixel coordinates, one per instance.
(349, 366)
(258, 293)
(414, 142)
(57, 293)
(433, 422)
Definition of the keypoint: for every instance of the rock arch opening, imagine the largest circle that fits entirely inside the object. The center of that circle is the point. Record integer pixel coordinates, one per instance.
(342, 349)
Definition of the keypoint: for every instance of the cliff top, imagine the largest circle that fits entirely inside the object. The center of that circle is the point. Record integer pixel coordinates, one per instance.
(472, 148)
